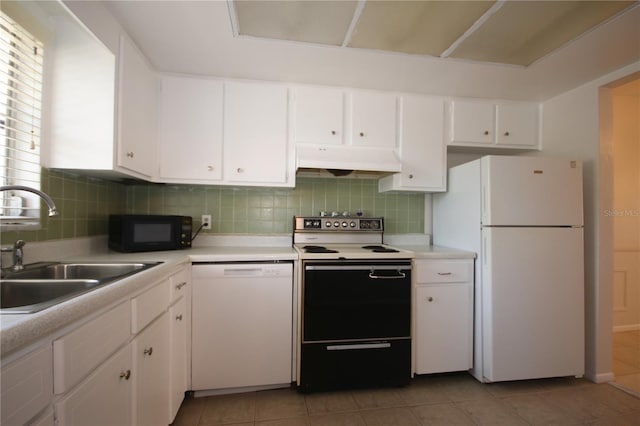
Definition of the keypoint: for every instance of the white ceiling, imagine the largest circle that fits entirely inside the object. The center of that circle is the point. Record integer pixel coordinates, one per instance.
(386, 45)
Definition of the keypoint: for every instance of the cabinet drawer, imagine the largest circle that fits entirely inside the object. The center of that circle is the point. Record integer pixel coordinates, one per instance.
(149, 305)
(26, 387)
(179, 283)
(81, 351)
(444, 271)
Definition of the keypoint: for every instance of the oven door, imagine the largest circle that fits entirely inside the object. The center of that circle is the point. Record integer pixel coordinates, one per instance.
(356, 300)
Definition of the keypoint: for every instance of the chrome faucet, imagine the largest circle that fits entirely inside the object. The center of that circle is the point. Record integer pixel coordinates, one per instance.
(53, 211)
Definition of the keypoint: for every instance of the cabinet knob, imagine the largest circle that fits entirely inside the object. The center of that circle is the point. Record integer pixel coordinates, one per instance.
(333, 132)
(179, 317)
(210, 168)
(361, 134)
(486, 132)
(506, 133)
(182, 284)
(429, 299)
(125, 374)
(130, 154)
(240, 170)
(411, 176)
(148, 351)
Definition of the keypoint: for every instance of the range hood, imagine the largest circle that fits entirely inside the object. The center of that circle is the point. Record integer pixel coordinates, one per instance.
(341, 159)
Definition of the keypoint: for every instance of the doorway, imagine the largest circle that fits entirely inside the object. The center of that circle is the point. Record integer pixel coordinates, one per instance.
(625, 214)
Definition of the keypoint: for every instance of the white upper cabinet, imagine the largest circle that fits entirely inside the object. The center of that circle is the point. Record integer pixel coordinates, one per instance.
(319, 115)
(422, 149)
(137, 111)
(190, 130)
(373, 119)
(476, 123)
(256, 135)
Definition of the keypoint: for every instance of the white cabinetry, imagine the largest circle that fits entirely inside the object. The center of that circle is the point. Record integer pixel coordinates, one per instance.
(137, 111)
(179, 341)
(373, 117)
(190, 130)
(26, 387)
(256, 135)
(422, 149)
(443, 315)
(319, 115)
(242, 325)
(475, 123)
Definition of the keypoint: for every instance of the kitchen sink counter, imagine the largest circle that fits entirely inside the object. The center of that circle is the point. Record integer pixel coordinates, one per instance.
(18, 331)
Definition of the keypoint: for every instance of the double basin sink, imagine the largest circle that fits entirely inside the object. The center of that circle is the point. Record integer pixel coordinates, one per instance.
(44, 284)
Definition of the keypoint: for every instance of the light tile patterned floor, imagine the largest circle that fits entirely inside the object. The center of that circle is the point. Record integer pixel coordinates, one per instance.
(451, 399)
(626, 360)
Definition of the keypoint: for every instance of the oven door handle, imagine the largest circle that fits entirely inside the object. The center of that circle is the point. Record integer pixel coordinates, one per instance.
(400, 276)
(358, 346)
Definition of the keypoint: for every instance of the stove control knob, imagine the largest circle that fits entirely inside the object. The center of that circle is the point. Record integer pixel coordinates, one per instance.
(328, 224)
(336, 224)
(352, 224)
(345, 224)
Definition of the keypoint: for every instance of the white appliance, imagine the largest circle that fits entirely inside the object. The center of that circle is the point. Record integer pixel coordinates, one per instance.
(523, 216)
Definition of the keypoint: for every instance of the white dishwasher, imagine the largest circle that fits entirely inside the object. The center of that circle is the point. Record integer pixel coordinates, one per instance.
(242, 325)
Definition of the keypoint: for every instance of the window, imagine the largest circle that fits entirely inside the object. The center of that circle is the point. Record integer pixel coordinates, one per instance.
(21, 65)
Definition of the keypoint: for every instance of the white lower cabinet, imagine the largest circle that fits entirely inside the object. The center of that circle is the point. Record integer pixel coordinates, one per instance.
(179, 361)
(151, 373)
(104, 398)
(443, 315)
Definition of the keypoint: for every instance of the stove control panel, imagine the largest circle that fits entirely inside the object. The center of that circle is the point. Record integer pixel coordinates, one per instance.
(338, 224)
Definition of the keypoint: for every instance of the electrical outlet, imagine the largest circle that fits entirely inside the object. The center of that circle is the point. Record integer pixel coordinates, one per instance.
(206, 218)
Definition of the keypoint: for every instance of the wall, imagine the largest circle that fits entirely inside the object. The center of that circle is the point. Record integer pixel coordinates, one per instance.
(237, 210)
(572, 127)
(626, 210)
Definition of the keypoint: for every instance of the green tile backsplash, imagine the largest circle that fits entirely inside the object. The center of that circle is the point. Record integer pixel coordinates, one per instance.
(85, 203)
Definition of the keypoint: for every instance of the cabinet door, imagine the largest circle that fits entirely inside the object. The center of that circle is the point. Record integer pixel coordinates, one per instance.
(151, 360)
(178, 319)
(422, 148)
(256, 148)
(190, 129)
(137, 103)
(374, 118)
(104, 398)
(319, 115)
(517, 125)
(443, 328)
(472, 122)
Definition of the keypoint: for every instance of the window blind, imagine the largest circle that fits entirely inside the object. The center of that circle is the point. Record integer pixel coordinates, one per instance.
(21, 67)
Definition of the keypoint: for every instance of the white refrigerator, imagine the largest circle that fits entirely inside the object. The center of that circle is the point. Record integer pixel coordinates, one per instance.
(523, 217)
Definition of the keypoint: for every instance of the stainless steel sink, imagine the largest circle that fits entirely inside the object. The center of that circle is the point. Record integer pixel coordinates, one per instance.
(26, 296)
(41, 285)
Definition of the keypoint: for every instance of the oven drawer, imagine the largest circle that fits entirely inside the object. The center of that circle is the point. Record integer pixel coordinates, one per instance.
(345, 365)
(443, 271)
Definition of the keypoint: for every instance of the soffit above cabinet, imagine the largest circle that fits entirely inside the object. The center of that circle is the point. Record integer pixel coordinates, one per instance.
(516, 32)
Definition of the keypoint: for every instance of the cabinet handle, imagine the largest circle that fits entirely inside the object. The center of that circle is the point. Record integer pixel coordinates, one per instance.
(148, 351)
(130, 154)
(429, 299)
(506, 133)
(240, 170)
(486, 132)
(444, 273)
(179, 317)
(182, 284)
(210, 168)
(125, 374)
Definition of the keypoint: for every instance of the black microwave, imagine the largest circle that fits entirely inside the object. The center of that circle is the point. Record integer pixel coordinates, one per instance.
(133, 232)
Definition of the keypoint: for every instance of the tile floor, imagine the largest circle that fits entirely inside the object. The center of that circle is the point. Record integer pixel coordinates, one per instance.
(450, 399)
(626, 360)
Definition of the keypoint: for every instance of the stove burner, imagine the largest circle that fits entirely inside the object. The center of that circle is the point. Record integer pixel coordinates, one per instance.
(380, 249)
(318, 249)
